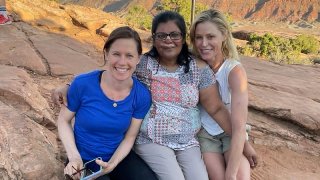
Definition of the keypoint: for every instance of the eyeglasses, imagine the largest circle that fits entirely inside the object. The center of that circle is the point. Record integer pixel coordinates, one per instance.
(163, 36)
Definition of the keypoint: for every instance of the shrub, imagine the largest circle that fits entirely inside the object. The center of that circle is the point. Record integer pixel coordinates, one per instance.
(307, 44)
(279, 49)
(315, 60)
(246, 50)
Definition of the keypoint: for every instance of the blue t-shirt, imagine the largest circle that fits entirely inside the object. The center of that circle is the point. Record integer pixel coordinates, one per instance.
(99, 126)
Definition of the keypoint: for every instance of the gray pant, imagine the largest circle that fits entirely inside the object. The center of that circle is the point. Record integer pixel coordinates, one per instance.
(171, 164)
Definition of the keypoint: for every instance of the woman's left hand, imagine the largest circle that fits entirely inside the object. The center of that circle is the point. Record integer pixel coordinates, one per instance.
(107, 167)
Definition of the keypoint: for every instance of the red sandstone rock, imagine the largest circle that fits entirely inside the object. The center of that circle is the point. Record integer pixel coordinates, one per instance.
(283, 109)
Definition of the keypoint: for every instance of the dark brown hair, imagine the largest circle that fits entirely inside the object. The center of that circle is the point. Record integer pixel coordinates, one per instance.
(124, 32)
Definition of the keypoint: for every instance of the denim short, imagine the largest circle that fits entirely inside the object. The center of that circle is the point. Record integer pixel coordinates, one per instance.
(219, 143)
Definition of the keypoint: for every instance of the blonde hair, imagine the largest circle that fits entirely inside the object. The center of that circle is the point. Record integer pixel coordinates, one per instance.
(228, 48)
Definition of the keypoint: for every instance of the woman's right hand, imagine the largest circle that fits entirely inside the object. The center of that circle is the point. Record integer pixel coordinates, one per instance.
(250, 153)
(59, 95)
(73, 167)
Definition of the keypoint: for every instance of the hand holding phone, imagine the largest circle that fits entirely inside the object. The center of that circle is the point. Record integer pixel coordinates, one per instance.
(91, 169)
(106, 166)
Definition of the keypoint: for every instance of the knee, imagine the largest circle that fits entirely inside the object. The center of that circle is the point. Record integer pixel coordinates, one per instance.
(244, 172)
(243, 175)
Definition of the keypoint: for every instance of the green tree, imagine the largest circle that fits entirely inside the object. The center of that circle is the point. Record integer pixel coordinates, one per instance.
(183, 7)
(139, 16)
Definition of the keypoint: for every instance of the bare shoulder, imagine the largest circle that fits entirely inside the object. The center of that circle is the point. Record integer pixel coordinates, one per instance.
(238, 71)
(238, 77)
(200, 63)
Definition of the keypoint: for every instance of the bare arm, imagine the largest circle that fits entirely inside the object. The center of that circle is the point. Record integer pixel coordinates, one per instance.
(211, 102)
(67, 137)
(124, 147)
(59, 95)
(239, 112)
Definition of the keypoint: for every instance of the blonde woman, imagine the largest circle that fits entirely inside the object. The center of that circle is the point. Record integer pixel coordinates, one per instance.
(212, 42)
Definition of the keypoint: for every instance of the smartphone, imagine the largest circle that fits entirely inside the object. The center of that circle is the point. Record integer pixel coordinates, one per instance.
(92, 169)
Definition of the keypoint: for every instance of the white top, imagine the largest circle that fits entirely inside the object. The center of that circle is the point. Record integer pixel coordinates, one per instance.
(222, 76)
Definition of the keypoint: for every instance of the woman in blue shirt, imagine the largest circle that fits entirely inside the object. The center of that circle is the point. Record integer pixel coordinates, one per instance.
(108, 106)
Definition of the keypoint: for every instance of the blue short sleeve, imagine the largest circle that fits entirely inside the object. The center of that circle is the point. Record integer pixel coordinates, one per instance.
(73, 97)
(142, 101)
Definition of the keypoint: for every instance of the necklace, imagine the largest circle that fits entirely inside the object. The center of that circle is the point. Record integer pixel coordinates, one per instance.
(114, 94)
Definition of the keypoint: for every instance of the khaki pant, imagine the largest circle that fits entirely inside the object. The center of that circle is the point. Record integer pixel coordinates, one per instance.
(171, 164)
(218, 144)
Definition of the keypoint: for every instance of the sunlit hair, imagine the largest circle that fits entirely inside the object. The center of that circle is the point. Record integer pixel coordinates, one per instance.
(229, 49)
(184, 57)
(123, 32)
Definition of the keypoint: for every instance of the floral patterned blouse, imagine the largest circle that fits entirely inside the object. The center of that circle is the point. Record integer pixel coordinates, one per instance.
(173, 119)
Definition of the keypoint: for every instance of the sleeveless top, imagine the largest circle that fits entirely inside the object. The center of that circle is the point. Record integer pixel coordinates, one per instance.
(222, 76)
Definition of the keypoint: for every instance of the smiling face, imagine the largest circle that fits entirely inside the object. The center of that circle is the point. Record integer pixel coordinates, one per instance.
(208, 41)
(122, 59)
(168, 48)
